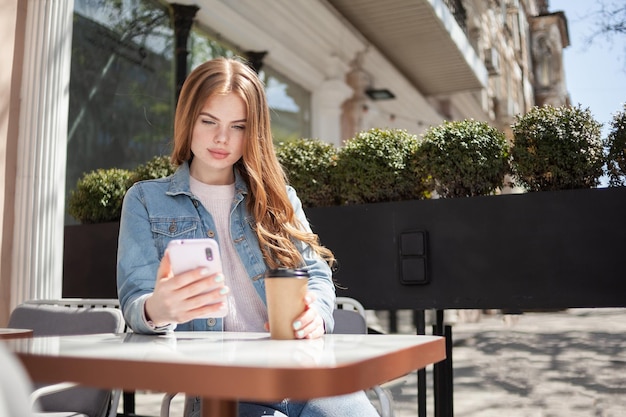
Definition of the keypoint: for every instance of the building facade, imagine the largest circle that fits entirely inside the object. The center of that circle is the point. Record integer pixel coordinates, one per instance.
(92, 84)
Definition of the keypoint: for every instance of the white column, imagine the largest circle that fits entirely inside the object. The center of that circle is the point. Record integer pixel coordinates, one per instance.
(40, 184)
(326, 103)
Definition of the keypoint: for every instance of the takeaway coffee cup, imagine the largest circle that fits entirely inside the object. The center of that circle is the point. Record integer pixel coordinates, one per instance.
(285, 290)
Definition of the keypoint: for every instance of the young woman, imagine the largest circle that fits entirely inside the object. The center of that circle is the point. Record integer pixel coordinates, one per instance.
(228, 186)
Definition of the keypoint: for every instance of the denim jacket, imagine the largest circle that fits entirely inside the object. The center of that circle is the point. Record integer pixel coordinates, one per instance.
(156, 211)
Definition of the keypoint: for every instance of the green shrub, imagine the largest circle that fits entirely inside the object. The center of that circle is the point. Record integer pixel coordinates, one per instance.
(98, 195)
(616, 144)
(557, 148)
(373, 167)
(463, 158)
(308, 164)
(157, 167)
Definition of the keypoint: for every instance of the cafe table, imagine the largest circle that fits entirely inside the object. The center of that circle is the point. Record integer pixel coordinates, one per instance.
(11, 333)
(224, 367)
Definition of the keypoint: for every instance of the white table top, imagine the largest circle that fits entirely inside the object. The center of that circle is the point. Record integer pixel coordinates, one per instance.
(228, 365)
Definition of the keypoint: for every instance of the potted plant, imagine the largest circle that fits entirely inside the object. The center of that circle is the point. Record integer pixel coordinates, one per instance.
(98, 196)
(463, 158)
(309, 164)
(158, 167)
(616, 144)
(90, 248)
(557, 148)
(373, 167)
(533, 250)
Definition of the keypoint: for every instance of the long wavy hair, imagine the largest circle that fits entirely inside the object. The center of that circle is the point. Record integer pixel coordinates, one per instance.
(276, 225)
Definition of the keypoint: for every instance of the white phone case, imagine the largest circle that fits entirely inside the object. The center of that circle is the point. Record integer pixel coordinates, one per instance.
(188, 254)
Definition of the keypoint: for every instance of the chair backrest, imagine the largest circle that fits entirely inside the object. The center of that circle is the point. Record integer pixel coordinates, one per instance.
(55, 320)
(15, 386)
(57, 317)
(349, 316)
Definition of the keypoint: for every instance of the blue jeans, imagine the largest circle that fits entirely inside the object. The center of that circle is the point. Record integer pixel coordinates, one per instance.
(350, 405)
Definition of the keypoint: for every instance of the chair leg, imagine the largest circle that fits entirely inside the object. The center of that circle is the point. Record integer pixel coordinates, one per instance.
(386, 403)
(115, 400)
(166, 403)
(128, 399)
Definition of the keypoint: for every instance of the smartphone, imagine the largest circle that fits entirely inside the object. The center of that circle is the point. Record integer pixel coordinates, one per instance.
(188, 254)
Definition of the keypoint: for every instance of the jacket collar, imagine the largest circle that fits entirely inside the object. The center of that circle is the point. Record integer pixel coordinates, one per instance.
(179, 183)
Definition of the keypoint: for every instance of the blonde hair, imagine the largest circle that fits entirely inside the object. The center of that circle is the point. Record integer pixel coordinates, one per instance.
(276, 227)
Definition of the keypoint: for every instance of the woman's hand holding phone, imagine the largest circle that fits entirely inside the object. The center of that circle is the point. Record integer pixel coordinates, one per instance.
(189, 284)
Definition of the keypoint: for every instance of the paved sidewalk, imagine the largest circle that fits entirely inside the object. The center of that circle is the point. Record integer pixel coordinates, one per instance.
(569, 363)
(560, 364)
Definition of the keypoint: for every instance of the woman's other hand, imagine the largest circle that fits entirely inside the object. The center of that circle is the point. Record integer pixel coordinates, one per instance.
(309, 325)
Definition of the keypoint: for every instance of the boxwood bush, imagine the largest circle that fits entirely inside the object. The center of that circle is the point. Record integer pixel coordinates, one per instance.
(98, 195)
(557, 148)
(308, 164)
(616, 144)
(463, 158)
(158, 167)
(373, 167)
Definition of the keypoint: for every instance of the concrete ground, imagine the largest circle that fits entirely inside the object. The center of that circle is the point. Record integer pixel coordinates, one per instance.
(568, 363)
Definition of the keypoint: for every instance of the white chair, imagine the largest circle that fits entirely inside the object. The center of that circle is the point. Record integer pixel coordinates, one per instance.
(71, 317)
(15, 387)
(350, 318)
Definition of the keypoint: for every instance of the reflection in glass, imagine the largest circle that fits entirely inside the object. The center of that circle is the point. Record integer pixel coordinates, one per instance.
(122, 92)
(289, 102)
(289, 105)
(121, 86)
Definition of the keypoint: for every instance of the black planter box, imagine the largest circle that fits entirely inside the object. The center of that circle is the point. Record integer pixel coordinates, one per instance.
(89, 260)
(525, 251)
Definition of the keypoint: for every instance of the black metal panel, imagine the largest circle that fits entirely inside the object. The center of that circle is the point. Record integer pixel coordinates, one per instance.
(530, 251)
(90, 260)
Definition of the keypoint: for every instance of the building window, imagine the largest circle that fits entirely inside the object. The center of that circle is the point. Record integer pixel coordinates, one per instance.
(543, 62)
(203, 47)
(290, 103)
(290, 106)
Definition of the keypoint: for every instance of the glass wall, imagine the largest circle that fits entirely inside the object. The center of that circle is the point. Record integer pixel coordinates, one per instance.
(290, 106)
(122, 86)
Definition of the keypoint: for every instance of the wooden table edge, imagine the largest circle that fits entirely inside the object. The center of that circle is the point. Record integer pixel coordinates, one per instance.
(11, 333)
(254, 383)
